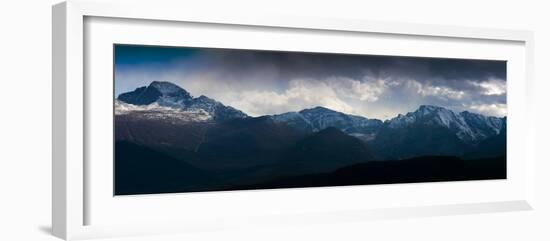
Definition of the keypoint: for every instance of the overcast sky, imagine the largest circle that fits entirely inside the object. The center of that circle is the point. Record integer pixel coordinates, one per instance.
(267, 82)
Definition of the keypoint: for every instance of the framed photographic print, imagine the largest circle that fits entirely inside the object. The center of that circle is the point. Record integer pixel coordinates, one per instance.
(234, 119)
(280, 119)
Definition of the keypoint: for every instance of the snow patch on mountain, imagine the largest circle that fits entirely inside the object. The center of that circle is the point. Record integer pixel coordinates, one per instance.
(156, 111)
(319, 118)
(205, 103)
(295, 120)
(167, 88)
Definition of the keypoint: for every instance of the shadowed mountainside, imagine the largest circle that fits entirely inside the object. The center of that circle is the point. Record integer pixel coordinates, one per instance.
(414, 170)
(140, 170)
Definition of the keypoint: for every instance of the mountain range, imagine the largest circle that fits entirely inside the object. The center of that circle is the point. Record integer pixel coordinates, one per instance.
(166, 94)
(244, 151)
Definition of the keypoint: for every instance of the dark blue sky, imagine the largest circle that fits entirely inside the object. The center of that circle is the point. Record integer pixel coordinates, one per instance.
(131, 55)
(268, 82)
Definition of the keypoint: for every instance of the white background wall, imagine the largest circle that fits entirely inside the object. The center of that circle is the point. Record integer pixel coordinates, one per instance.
(25, 120)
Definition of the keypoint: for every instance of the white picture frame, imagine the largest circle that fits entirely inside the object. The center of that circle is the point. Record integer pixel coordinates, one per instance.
(72, 188)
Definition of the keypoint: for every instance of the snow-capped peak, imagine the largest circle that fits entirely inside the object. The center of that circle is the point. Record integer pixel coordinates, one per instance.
(468, 126)
(428, 114)
(319, 118)
(166, 94)
(167, 88)
(428, 109)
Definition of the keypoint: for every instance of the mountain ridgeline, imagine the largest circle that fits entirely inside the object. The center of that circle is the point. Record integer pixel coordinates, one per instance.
(170, 95)
(164, 127)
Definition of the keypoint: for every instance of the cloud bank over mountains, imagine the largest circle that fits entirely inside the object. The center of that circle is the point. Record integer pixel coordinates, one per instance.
(267, 82)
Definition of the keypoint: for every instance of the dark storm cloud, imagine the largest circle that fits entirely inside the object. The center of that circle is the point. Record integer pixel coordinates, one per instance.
(267, 82)
(318, 65)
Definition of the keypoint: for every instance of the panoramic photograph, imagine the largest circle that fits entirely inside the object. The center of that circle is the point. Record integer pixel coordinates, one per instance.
(190, 119)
